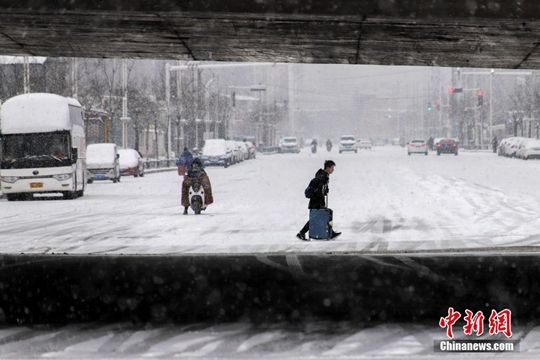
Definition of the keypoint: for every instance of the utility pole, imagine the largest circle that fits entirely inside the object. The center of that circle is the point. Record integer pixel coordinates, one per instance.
(125, 119)
(179, 98)
(74, 76)
(167, 106)
(492, 74)
(26, 74)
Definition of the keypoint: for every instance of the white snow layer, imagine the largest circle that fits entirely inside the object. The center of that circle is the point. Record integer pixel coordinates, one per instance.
(34, 113)
(383, 201)
(100, 154)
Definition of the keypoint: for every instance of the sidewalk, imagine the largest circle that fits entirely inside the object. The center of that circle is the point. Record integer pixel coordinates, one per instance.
(148, 171)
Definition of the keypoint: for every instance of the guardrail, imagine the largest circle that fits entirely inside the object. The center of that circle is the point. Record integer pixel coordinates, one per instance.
(267, 150)
(159, 163)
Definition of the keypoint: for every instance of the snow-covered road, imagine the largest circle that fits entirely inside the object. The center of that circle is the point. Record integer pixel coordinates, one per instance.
(383, 200)
(316, 340)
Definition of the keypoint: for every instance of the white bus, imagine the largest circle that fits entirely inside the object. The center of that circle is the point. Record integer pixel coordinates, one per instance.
(43, 146)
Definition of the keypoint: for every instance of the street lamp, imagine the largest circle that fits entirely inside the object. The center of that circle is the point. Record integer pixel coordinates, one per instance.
(197, 122)
(183, 123)
(207, 98)
(260, 89)
(491, 74)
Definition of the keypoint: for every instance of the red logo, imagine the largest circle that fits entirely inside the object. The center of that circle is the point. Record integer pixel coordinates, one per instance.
(449, 321)
(474, 323)
(499, 322)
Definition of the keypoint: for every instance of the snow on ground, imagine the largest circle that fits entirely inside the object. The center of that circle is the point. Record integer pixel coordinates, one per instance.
(383, 200)
(316, 340)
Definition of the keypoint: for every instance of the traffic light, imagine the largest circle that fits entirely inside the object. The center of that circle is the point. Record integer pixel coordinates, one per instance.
(453, 90)
(438, 105)
(480, 97)
(429, 107)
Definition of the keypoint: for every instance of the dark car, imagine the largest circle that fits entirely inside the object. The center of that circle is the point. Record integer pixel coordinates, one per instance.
(447, 146)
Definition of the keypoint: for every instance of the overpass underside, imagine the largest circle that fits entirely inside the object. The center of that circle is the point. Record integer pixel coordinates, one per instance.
(498, 34)
(63, 288)
(265, 287)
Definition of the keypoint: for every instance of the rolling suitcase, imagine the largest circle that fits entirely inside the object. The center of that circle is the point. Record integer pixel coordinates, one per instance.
(320, 223)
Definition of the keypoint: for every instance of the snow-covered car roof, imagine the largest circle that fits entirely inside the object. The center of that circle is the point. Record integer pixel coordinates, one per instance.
(128, 157)
(289, 139)
(102, 152)
(532, 143)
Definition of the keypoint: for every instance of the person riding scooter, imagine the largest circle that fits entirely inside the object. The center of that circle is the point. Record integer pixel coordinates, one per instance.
(329, 145)
(314, 146)
(196, 174)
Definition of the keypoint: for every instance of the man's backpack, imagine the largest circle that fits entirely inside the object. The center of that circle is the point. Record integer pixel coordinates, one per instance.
(309, 192)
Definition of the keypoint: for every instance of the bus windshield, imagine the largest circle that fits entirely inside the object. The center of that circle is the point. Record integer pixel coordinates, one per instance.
(35, 150)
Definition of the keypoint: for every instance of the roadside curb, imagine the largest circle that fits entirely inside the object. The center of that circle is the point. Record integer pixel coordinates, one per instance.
(147, 171)
(154, 171)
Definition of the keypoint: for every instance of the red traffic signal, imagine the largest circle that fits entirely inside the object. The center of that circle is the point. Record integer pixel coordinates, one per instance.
(453, 90)
(480, 92)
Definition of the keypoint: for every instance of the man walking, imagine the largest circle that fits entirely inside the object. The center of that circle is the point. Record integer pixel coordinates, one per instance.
(316, 192)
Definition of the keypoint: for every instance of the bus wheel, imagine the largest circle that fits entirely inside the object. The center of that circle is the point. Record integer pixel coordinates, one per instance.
(69, 195)
(14, 197)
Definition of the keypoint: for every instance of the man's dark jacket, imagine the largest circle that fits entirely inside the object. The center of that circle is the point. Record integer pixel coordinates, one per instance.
(320, 186)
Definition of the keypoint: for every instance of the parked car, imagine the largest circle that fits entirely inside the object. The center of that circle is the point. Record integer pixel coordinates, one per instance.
(348, 143)
(102, 162)
(252, 149)
(417, 147)
(528, 149)
(447, 146)
(242, 152)
(435, 142)
(364, 144)
(131, 163)
(289, 144)
(216, 152)
(245, 150)
(237, 155)
(502, 147)
(513, 145)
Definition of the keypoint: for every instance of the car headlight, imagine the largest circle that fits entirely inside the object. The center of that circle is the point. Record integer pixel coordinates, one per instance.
(62, 177)
(9, 179)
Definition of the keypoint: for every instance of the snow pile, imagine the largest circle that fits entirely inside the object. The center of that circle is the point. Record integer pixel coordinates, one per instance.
(34, 113)
(383, 201)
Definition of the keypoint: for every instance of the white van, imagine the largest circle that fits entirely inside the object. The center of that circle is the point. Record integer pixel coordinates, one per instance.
(102, 162)
(43, 146)
(289, 144)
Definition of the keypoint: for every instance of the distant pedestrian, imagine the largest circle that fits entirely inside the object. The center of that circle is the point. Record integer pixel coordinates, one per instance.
(430, 142)
(314, 146)
(317, 191)
(183, 165)
(184, 162)
(495, 143)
